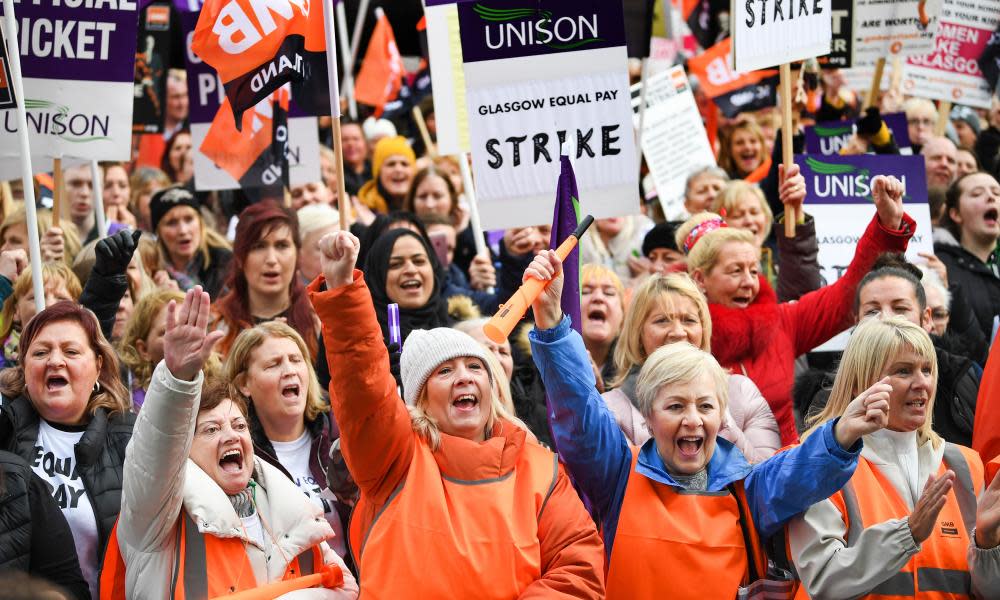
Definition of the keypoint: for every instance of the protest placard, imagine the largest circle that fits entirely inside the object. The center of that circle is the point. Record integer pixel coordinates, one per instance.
(539, 80)
(951, 72)
(838, 196)
(827, 139)
(989, 62)
(732, 92)
(768, 33)
(842, 30)
(674, 142)
(205, 96)
(77, 69)
(888, 28)
(444, 47)
(6, 87)
(151, 57)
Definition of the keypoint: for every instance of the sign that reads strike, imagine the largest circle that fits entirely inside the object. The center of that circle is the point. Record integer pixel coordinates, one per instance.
(951, 71)
(767, 33)
(77, 65)
(541, 79)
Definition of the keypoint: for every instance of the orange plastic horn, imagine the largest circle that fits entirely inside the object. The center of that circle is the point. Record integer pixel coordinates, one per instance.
(511, 313)
(331, 577)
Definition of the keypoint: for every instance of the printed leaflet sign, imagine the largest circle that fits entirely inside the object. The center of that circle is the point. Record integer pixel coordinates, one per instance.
(771, 32)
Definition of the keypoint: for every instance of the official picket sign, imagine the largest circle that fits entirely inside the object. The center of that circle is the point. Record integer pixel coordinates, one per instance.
(828, 138)
(842, 35)
(733, 92)
(674, 141)
(839, 198)
(768, 33)
(539, 80)
(951, 71)
(899, 27)
(205, 96)
(77, 69)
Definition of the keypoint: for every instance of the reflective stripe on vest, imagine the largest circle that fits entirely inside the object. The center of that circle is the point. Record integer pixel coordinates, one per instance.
(192, 552)
(481, 536)
(933, 572)
(677, 544)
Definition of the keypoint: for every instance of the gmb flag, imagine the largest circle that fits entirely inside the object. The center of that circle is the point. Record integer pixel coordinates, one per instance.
(259, 45)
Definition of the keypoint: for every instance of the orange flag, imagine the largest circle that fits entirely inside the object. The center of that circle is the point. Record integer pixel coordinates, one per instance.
(986, 431)
(381, 75)
(253, 155)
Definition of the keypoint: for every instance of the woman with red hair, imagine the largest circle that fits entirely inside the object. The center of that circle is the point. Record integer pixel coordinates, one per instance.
(262, 283)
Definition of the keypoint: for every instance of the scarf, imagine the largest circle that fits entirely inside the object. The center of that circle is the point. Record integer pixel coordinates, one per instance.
(432, 314)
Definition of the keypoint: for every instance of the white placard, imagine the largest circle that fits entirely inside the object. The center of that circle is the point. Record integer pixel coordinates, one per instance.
(767, 33)
(887, 28)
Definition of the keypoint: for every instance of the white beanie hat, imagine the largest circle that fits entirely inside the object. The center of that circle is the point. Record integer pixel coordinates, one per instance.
(425, 349)
(373, 128)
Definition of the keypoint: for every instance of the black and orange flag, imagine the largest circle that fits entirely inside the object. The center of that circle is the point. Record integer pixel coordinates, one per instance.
(256, 154)
(257, 46)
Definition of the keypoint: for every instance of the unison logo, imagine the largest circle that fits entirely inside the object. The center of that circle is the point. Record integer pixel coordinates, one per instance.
(838, 181)
(516, 27)
(49, 118)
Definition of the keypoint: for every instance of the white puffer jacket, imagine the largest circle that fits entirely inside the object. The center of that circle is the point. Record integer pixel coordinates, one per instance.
(160, 481)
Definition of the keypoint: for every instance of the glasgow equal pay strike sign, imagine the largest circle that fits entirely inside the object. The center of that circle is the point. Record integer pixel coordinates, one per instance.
(540, 73)
(77, 59)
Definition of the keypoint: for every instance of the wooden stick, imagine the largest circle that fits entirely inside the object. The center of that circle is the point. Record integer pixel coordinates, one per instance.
(425, 134)
(787, 151)
(944, 113)
(57, 191)
(343, 202)
(876, 88)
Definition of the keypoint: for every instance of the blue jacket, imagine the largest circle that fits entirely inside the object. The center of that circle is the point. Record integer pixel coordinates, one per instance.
(597, 453)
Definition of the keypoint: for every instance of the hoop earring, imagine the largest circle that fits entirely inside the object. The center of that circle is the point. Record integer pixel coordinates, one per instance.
(97, 386)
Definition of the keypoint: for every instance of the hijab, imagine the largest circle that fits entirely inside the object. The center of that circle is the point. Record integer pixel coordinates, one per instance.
(432, 314)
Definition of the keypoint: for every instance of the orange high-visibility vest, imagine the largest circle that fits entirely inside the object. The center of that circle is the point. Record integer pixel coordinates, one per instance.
(206, 566)
(679, 544)
(758, 174)
(940, 570)
(438, 537)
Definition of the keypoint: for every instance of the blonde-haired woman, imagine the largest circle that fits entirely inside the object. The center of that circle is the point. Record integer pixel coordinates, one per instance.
(670, 309)
(59, 241)
(268, 367)
(759, 337)
(907, 523)
(743, 151)
(685, 512)
(506, 521)
(742, 205)
(59, 283)
(602, 308)
(192, 252)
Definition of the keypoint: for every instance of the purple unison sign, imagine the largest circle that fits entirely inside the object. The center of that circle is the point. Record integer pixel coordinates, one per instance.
(77, 63)
(828, 138)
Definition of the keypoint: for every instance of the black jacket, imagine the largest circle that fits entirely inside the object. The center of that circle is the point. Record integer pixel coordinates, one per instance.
(34, 535)
(981, 287)
(213, 278)
(100, 455)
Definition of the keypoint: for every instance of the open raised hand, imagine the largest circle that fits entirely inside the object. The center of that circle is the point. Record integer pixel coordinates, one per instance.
(887, 192)
(548, 306)
(924, 516)
(337, 254)
(866, 414)
(988, 517)
(187, 343)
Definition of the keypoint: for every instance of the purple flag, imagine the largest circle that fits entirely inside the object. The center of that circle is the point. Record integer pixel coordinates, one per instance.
(564, 222)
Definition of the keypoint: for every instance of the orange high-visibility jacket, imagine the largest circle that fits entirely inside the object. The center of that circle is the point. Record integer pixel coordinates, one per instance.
(663, 532)
(941, 569)
(206, 566)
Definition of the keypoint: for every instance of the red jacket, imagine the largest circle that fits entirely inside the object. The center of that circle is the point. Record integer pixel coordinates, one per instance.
(763, 340)
(381, 450)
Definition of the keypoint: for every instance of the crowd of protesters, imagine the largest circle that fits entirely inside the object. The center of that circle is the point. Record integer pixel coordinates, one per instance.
(213, 400)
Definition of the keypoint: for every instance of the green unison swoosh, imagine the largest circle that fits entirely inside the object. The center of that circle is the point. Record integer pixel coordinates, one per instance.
(828, 169)
(831, 131)
(508, 14)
